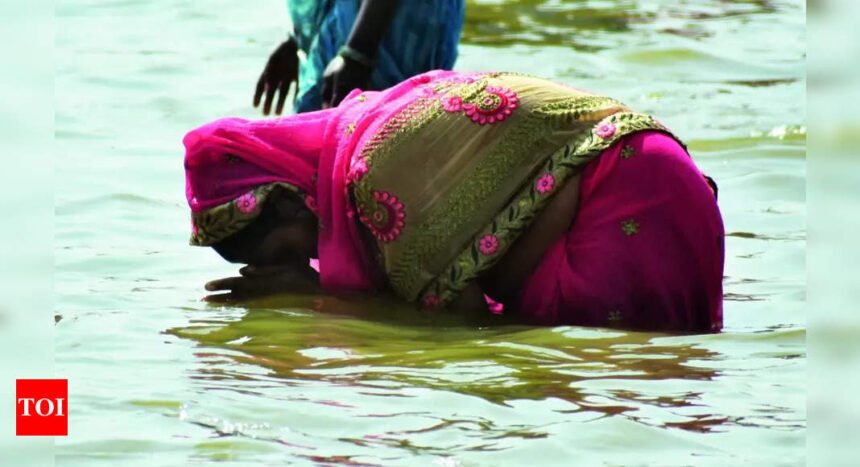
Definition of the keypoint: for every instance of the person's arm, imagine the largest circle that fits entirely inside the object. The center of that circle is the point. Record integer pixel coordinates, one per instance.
(281, 71)
(370, 26)
(355, 61)
(257, 281)
(471, 299)
(505, 280)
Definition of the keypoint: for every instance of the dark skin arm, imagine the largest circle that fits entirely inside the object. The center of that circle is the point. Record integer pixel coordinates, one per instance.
(259, 281)
(344, 74)
(281, 71)
(505, 280)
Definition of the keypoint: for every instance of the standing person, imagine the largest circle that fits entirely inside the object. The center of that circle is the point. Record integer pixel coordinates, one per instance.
(367, 44)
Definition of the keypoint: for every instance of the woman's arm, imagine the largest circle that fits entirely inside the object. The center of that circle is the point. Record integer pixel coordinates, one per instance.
(355, 61)
(370, 26)
(505, 280)
(470, 299)
(257, 281)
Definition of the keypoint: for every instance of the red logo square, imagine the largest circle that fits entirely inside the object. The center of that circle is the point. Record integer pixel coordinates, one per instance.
(42, 407)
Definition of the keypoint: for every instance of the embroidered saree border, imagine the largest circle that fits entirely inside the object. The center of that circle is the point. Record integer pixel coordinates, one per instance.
(217, 223)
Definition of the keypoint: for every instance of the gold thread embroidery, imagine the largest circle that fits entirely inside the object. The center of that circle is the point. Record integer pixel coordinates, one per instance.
(510, 221)
(627, 152)
(630, 227)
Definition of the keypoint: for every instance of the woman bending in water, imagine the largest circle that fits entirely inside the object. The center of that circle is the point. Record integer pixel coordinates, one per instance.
(564, 206)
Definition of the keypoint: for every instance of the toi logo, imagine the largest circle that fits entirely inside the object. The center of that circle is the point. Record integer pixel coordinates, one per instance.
(41, 407)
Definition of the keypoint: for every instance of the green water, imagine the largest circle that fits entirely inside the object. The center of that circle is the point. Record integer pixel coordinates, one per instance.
(157, 377)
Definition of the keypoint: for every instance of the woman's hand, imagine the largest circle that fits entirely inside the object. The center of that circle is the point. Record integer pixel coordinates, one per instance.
(259, 281)
(341, 76)
(282, 70)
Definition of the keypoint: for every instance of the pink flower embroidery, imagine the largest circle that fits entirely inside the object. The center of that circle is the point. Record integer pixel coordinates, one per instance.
(605, 129)
(431, 300)
(545, 184)
(493, 105)
(358, 169)
(247, 202)
(452, 103)
(423, 79)
(387, 218)
(488, 244)
(311, 203)
(428, 91)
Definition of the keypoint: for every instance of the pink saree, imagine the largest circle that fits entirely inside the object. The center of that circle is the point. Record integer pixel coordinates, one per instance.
(421, 188)
(645, 250)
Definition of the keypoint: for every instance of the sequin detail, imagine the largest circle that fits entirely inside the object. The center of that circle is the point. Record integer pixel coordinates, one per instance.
(627, 152)
(630, 227)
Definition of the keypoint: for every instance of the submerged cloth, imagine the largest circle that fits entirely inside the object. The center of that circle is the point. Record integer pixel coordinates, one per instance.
(645, 250)
(422, 36)
(442, 173)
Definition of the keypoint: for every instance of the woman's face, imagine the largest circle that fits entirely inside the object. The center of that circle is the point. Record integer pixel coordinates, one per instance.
(289, 235)
(293, 237)
(289, 243)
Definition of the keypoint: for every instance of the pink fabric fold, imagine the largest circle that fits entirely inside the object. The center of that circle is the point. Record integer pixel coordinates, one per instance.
(645, 250)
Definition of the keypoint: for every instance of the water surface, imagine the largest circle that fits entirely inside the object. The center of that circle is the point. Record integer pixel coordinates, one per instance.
(158, 377)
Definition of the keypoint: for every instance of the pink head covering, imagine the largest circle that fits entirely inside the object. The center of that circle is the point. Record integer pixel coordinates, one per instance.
(232, 164)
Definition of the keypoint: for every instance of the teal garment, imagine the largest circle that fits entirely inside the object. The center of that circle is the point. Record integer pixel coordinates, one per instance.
(423, 36)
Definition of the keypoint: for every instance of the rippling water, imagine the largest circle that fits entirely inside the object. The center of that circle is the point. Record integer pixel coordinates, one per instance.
(159, 378)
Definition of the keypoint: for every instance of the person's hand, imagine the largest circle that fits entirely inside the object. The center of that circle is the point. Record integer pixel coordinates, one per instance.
(341, 76)
(282, 70)
(259, 281)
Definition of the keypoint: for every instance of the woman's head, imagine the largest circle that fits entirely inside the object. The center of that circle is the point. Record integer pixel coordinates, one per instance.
(284, 232)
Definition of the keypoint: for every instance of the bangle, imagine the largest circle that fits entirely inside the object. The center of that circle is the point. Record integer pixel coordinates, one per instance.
(356, 56)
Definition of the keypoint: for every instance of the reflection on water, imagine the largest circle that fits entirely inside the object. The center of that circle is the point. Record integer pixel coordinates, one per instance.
(586, 376)
(161, 378)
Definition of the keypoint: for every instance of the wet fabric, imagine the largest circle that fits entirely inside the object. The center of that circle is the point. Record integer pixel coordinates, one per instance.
(645, 250)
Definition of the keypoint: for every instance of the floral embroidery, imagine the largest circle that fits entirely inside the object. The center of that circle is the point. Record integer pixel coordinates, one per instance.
(361, 98)
(431, 300)
(386, 219)
(493, 105)
(488, 244)
(452, 103)
(510, 222)
(627, 152)
(630, 227)
(614, 316)
(246, 203)
(350, 128)
(545, 184)
(358, 169)
(424, 79)
(605, 129)
(311, 203)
